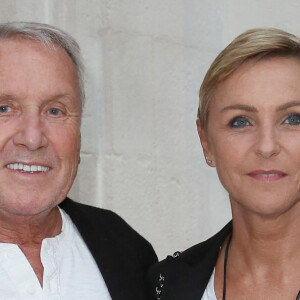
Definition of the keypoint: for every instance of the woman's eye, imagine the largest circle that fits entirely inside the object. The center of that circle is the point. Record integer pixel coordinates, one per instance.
(293, 119)
(239, 122)
(54, 111)
(5, 109)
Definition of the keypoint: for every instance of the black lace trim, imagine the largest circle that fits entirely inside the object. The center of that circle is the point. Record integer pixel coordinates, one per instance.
(159, 287)
(161, 280)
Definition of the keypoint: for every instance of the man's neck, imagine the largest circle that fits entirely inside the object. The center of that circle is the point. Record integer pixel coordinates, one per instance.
(28, 232)
(22, 230)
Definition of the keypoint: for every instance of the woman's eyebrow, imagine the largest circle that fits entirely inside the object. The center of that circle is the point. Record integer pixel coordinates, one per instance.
(250, 108)
(244, 107)
(288, 105)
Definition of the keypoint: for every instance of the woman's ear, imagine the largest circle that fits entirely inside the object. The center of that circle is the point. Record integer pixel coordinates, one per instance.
(205, 144)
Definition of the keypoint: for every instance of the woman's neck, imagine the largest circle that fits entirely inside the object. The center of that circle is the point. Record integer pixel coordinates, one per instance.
(263, 257)
(266, 240)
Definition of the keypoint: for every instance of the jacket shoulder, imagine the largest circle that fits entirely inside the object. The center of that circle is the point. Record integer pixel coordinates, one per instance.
(76, 209)
(185, 275)
(89, 220)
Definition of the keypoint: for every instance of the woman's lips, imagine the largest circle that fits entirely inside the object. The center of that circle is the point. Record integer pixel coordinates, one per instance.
(267, 175)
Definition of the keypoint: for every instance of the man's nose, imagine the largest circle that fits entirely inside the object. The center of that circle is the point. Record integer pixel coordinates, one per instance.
(267, 144)
(31, 131)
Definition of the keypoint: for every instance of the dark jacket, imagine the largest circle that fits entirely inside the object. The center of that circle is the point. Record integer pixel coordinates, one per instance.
(122, 255)
(185, 276)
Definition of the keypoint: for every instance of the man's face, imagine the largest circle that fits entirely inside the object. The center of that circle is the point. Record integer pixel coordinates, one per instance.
(39, 126)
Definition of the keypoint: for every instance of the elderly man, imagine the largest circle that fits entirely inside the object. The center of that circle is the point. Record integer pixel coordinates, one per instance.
(50, 246)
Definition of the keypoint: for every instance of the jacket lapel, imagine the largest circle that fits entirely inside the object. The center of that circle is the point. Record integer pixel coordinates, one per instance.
(120, 253)
(99, 243)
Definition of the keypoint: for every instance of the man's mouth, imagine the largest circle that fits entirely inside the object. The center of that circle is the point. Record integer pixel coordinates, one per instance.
(27, 168)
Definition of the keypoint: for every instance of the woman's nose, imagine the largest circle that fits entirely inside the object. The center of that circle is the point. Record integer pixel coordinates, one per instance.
(267, 144)
(31, 132)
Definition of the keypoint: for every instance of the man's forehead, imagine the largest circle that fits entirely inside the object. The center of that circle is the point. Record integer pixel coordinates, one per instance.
(26, 52)
(27, 44)
(14, 51)
(23, 60)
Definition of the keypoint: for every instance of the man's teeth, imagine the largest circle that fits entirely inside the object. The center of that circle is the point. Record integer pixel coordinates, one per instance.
(27, 168)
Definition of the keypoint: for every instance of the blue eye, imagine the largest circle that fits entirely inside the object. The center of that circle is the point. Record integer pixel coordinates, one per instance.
(54, 111)
(293, 119)
(5, 109)
(239, 122)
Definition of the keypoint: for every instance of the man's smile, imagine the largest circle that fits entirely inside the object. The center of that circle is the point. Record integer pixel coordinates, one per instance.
(27, 167)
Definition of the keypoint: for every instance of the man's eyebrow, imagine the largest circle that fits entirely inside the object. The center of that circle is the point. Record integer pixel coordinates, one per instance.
(7, 97)
(288, 105)
(51, 98)
(66, 97)
(244, 107)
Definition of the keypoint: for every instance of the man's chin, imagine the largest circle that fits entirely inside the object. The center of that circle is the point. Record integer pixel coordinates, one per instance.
(28, 207)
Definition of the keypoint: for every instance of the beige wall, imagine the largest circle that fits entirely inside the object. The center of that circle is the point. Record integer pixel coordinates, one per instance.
(145, 60)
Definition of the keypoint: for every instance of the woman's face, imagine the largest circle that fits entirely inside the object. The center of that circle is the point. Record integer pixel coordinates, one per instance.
(253, 135)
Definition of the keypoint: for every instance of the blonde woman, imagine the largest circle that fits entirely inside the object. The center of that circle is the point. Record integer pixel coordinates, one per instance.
(249, 127)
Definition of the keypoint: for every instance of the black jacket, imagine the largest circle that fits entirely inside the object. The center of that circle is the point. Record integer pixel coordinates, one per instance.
(185, 276)
(122, 255)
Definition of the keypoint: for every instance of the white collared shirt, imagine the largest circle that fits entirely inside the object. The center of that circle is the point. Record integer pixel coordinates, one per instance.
(70, 271)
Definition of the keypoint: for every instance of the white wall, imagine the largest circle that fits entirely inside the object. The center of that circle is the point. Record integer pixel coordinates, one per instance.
(145, 60)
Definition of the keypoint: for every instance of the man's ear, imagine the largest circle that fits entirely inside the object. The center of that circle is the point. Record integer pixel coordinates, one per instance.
(205, 144)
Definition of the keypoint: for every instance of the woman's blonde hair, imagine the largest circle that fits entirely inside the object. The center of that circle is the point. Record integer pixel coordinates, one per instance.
(256, 44)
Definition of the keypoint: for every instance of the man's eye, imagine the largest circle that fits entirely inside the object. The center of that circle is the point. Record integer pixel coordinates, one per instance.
(239, 122)
(293, 119)
(54, 111)
(5, 109)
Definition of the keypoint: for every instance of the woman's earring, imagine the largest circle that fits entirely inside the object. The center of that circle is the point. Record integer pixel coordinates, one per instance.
(208, 160)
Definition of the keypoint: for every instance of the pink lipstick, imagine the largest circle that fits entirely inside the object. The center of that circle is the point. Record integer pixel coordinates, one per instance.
(267, 175)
